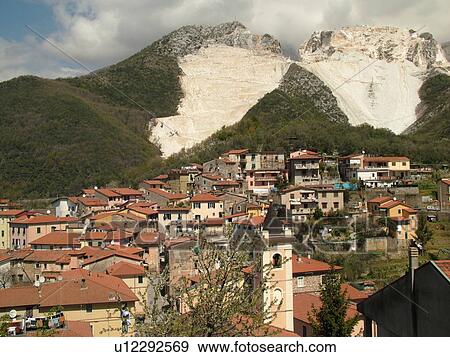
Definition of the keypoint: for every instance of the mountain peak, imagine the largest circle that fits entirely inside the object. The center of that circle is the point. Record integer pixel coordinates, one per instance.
(189, 39)
(381, 42)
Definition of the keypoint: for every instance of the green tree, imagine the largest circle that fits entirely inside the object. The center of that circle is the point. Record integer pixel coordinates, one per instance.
(4, 325)
(221, 302)
(318, 213)
(330, 320)
(424, 234)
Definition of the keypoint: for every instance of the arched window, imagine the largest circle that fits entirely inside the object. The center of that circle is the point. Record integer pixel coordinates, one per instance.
(277, 260)
(277, 296)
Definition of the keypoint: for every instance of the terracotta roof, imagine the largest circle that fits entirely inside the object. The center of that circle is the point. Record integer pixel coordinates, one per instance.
(212, 177)
(161, 177)
(303, 304)
(88, 191)
(107, 192)
(148, 238)
(43, 219)
(124, 249)
(236, 152)
(446, 181)
(205, 197)
(104, 254)
(92, 202)
(308, 265)
(124, 191)
(124, 269)
(100, 216)
(168, 195)
(214, 222)
(92, 235)
(45, 255)
(297, 188)
(382, 199)
(156, 182)
(353, 294)
(58, 238)
(385, 158)
(75, 329)
(11, 212)
(19, 296)
(444, 266)
(253, 221)
(143, 210)
(241, 214)
(393, 203)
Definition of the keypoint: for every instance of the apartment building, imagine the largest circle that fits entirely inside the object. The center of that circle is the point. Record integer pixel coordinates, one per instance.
(206, 205)
(304, 167)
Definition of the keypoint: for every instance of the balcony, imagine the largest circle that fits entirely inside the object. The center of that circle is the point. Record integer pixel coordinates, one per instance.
(294, 201)
(306, 166)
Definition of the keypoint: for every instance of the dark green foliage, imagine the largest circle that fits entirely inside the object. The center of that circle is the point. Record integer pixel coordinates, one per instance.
(56, 140)
(146, 78)
(330, 320)
(424, 233)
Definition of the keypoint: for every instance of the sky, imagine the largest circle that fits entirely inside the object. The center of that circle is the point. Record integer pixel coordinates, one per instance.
(101, 32)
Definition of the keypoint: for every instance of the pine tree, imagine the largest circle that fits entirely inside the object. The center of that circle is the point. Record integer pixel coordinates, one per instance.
(330, 320)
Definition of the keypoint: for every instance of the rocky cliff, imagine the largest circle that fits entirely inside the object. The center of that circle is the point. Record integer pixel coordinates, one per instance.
(374, 72)
(225, 71)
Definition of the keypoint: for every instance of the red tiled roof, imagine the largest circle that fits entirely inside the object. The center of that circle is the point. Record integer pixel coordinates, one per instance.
(308, 265)
(205, 197)
(127, 250)
(124, 269)
(394, 203)
(382, 199)
(303, 304)
(241, 214)
(148, 238)
(253, 221)
(446, 181)
(143, 210)
(107, 192)
(352, 293)
(385, 158)
(124, 191)
(45, 255)
(92, 235)
(236, 152)
(214, 222)
(161, 177)
(58, 238)
(444, 265)
(212, 177)
(227, 183)
(156, 182)
(43, 219)
(11, 212)
(92, 202)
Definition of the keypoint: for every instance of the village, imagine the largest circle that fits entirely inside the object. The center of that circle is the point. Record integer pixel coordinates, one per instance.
(83, 265)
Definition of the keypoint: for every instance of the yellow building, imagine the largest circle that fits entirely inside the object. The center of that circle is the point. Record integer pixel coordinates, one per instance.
(95, 298)
(403, 221)
(7, 216)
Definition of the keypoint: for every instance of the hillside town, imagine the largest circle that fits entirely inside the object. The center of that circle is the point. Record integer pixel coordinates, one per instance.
(83, 266)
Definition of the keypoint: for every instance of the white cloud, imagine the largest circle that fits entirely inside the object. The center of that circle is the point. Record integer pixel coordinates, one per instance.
(101, 32)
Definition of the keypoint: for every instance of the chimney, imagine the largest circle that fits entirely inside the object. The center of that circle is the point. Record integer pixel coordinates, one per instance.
(413, 263)
(299, 258)
(74, 263)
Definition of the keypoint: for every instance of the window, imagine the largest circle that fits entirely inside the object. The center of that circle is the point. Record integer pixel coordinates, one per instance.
(336, 194)
(167, 216)
(336, 205)
(211, 205)
(3, 233)
(324, 194)
(399, 211)
(324, 205)
(292, 196)
(13, 230)
(196, 205)
(277, 296)
(88, 308)
(304, 331)
(38, 230)
(403, 163)
(180, 217)
(140, 279)
(37, 265)
(277, 260)
(300, 282)
(45, 266)
(36, 277)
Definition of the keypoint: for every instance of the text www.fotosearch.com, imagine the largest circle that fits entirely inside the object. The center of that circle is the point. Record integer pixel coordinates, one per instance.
(223, 347)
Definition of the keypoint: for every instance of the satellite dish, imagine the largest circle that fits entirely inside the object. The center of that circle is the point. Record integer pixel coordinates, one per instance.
(103, 245)
(59, 278)
(13, 314)
(42, 279)
(48, 211)
(95, 187)
(37, 283)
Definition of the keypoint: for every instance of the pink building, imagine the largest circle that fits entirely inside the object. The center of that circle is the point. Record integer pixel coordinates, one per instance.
(26, 229)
